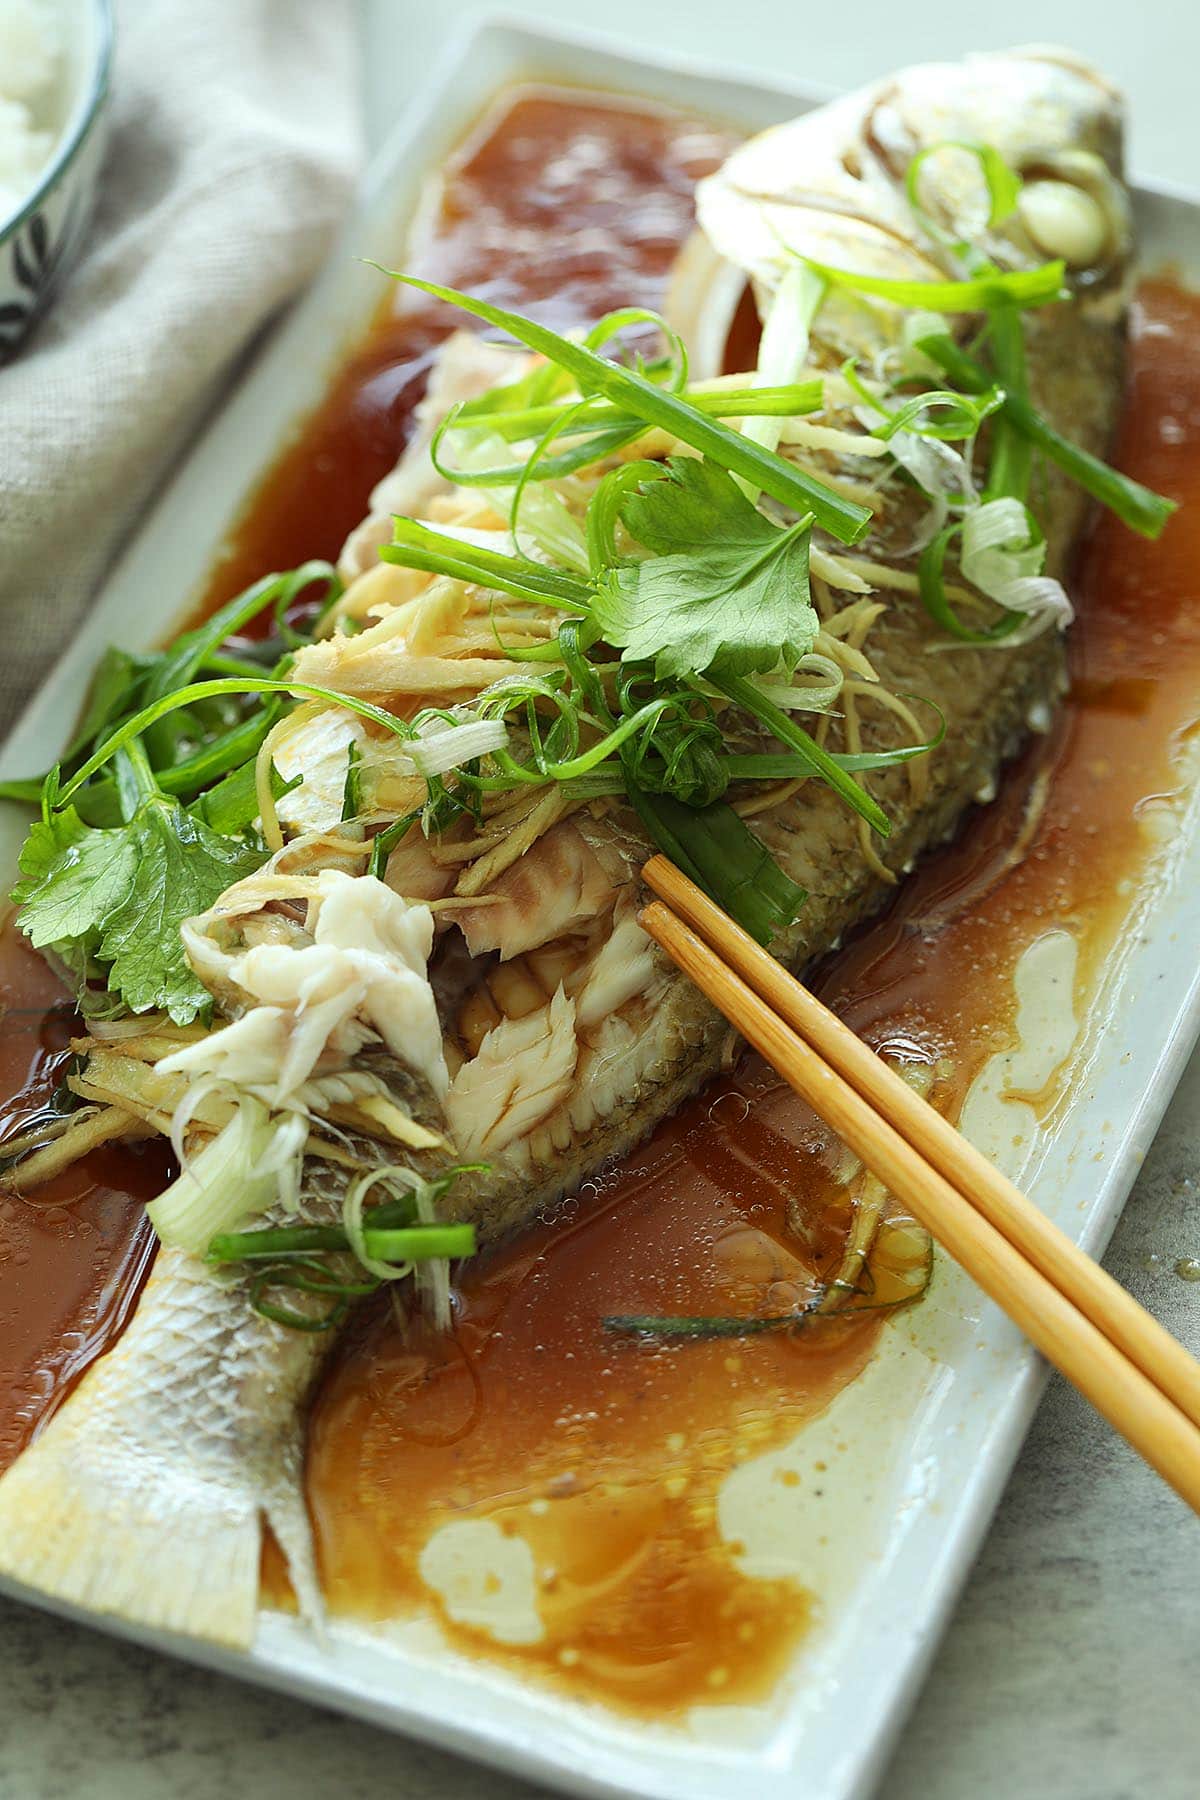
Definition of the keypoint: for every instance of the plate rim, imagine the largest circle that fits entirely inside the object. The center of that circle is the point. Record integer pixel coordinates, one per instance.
(511, 38)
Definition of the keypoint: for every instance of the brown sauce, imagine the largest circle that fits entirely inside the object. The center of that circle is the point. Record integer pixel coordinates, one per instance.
(73, 1256)
(605, 1455)
(602, 1453)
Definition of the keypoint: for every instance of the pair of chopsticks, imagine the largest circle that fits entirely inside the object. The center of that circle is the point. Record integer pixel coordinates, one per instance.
(1121, 1359)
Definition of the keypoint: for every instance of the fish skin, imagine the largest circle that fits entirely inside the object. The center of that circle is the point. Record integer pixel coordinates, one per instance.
(144, 1494)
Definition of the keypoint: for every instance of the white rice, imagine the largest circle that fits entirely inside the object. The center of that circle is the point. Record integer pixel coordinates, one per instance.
(29, 50)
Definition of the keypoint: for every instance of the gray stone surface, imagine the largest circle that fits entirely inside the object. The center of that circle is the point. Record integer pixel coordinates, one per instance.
(1071, 1670)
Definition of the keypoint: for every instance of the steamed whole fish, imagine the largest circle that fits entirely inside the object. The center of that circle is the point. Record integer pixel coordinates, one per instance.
(561, 1035)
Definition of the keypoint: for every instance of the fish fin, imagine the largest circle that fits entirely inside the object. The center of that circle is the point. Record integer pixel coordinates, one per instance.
(287, 1514)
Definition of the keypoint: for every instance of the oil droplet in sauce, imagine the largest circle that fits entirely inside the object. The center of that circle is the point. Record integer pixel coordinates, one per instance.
(550, 1489)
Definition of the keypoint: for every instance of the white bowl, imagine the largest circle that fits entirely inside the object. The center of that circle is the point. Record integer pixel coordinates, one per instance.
(38, 241)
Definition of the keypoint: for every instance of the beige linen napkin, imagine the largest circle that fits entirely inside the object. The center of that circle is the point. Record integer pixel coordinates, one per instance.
(234, 139)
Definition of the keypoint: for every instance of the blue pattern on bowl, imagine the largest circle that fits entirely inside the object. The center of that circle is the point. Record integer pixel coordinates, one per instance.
(38, 242)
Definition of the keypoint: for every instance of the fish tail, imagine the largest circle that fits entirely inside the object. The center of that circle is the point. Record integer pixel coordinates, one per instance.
(138, 1543)
(145, 1494)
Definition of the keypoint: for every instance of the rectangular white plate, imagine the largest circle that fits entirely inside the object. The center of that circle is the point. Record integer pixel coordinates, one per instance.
(945, 1405)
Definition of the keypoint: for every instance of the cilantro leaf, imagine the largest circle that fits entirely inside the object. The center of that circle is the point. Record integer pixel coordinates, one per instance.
(181, 867)
(119, 897)
(723, 588)
(71, 878)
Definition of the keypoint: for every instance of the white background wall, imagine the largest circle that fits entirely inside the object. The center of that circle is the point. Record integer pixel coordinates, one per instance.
(1152, 47)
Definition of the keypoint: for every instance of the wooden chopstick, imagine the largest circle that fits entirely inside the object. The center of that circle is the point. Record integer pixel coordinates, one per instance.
(1160, 1356)
(969, 1218)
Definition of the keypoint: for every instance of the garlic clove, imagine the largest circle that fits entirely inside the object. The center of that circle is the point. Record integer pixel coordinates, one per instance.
(1064, 220)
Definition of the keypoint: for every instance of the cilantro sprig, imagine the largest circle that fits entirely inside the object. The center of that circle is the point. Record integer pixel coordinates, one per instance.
(149, 817)
(724, 590)
(706, 591)
(110, 901)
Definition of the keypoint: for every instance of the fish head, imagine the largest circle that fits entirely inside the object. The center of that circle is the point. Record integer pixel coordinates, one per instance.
(830, 186)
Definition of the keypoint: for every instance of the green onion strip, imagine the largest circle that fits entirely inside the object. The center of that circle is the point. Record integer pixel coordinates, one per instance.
(791, 486)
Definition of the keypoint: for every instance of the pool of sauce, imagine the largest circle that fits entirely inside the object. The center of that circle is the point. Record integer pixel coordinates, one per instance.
(73, 1255)
(605, 1455)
